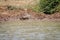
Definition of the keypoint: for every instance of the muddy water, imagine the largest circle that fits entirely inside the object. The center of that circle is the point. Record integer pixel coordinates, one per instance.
(30, 30)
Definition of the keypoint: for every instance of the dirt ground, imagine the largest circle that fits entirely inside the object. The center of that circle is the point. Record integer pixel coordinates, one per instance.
(25, 14)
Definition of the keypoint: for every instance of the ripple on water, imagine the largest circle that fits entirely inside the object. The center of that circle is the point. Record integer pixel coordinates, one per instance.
(52, 34)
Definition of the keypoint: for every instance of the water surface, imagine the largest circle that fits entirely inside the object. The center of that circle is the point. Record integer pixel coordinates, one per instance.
(30, 30)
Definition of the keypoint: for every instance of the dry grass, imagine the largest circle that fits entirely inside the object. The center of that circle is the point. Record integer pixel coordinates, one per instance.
(19, 3)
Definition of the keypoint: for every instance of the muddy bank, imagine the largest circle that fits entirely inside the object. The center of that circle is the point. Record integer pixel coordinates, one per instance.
(26, 14)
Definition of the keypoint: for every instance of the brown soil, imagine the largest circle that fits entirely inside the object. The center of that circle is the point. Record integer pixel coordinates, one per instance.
(22, 14)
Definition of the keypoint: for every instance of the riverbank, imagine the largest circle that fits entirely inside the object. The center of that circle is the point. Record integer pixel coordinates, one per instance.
(22, 14)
